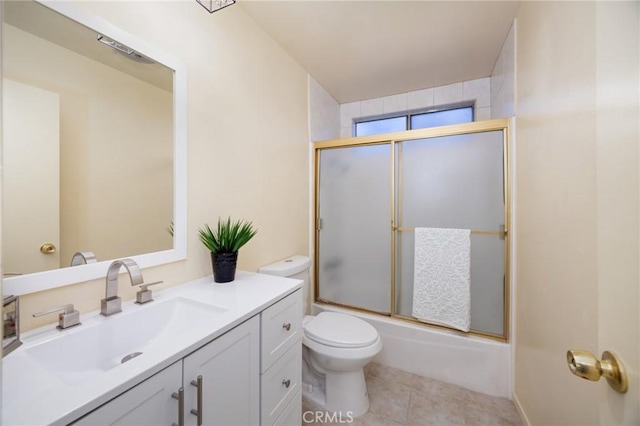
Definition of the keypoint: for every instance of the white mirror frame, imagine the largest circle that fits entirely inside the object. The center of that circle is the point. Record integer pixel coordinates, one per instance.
(31, 283)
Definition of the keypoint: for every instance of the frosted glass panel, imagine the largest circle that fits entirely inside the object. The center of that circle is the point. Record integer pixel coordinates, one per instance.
(455, 182)
(354, 241)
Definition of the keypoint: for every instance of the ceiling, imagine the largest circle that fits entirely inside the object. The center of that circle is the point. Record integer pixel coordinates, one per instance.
(367, 49)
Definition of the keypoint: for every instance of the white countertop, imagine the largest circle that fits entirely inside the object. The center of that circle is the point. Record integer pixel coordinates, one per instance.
(31, 395)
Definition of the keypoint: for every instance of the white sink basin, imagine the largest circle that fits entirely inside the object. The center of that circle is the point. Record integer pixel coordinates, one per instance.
(142, 331)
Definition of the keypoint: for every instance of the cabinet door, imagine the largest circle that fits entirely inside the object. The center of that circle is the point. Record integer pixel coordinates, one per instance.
(149, 403)
(230, 370)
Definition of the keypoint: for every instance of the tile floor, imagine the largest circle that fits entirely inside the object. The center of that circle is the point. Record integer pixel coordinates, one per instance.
(401, 398)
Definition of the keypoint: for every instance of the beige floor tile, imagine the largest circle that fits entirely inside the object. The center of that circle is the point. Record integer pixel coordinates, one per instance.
(436, 389)
(426, 410)
(371, 419)
(487, 410)
(375, 369)
(399, 398)
(388, 399)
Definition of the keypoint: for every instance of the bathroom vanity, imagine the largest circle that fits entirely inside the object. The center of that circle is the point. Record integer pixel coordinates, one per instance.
(200, 353)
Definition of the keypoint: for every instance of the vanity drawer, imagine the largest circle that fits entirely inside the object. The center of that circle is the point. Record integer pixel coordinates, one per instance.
(281, 384)
(280, 325)
(293, 413)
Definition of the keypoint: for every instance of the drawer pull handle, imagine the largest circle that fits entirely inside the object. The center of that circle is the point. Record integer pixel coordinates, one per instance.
(286, 326)
(286, 383)
(198, 412)
(180, 397)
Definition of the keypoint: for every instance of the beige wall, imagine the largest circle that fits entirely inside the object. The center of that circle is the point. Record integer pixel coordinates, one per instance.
(116, 170)
(577, 204)
(247, 138)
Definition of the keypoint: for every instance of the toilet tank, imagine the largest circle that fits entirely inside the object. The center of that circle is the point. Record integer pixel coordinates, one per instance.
(296, 267)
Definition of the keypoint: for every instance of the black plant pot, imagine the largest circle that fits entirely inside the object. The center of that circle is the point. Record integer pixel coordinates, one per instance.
(224, 266)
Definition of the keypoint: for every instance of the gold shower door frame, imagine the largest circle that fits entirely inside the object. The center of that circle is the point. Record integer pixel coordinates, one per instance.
(391, 139)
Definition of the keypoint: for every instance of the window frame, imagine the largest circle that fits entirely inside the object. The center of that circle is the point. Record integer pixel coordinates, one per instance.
(409, 113)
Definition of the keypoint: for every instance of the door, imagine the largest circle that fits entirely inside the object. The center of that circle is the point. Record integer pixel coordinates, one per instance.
(618, 185)
(31, 178)
(578, 191)
(149, 403)
(229, 368)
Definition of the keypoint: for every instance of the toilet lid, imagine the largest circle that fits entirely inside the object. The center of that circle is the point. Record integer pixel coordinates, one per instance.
(340, 330)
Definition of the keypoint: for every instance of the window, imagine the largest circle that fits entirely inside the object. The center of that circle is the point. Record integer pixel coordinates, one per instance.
(417, 120)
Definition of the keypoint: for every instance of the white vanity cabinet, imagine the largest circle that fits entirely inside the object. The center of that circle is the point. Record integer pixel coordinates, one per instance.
(281, 366)
(148, 403)
(230, 379)
(250, 375)
(221, 384)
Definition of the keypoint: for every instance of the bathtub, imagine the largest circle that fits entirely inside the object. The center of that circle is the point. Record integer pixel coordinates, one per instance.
(471, 362)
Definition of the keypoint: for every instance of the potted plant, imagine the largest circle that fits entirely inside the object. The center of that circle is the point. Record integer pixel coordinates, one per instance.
(224, 243)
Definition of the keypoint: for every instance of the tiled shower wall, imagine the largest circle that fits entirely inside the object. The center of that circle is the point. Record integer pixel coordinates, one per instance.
(473, 90)
(324, 113)
(503, 79)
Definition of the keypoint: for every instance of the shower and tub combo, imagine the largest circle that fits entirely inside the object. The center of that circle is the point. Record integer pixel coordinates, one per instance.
(412, 235)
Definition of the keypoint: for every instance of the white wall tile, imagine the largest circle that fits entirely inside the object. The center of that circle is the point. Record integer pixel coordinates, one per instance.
(448, 94)
(496, 85)
(503, 79)
(324, 114)
(420, 99)
(478, 90)
(394, 103)
(371, 107)
(497, 75)
(483, 114)
(348, 112)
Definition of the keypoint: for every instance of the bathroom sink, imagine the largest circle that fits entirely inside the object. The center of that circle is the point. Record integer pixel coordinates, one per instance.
(139, 333)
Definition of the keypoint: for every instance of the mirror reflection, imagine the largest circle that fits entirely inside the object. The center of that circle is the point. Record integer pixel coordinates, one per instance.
(87, 144)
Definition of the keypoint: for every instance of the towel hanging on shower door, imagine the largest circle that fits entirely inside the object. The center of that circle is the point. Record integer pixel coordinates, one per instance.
(442, 277)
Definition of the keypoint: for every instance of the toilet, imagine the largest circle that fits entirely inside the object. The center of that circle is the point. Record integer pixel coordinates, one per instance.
(336, 347)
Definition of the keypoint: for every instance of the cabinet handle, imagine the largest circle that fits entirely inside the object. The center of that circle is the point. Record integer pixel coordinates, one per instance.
(286, 326)
(286, 383)
(198, 412)
(180, 397)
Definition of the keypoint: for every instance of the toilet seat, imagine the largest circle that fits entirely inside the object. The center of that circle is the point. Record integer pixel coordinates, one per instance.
(340, 331)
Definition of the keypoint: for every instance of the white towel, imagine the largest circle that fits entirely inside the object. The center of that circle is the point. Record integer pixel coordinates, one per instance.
(442, 277)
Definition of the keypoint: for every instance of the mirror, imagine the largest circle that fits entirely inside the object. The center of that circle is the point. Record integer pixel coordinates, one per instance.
(94, 148)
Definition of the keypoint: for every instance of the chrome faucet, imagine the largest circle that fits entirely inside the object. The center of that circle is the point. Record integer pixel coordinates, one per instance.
(68, 318)
(112, 304)
(83, 258)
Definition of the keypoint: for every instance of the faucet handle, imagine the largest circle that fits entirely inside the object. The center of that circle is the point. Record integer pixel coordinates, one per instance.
(68, 318)
(145, 295)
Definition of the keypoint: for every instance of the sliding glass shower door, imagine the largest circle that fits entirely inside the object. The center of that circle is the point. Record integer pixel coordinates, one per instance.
(454, 182)
(354, 243)
(373, 192)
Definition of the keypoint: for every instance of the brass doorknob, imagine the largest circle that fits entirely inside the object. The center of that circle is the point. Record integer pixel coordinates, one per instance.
(47, 248)
(584, 364)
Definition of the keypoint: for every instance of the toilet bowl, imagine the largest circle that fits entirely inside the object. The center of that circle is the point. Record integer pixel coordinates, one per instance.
(336, 347)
